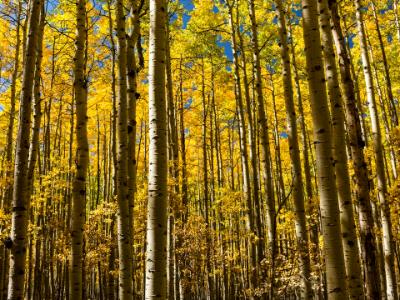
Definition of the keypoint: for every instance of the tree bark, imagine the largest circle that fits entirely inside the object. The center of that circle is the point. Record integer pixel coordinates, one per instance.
(20, 203)
(388, 243)
(156, 251)
(265, 147)
(333, 249)
(124, 217)
(360, 178)
(82, 157)
(298, 194)
(349, 237)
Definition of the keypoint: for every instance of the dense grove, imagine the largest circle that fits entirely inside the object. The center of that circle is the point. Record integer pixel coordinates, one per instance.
(199, 149)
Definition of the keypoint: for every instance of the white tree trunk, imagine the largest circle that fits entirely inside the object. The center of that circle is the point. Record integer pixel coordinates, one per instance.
(82, 156)
(156, 251)
(333, 249)
(388, 245)
(20, 203)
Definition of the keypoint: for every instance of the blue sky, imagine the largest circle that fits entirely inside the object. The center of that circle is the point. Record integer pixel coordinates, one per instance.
(226, 45)
(187, 4)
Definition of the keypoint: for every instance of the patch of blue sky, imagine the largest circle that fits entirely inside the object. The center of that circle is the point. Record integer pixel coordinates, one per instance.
(350, 40)
(271, 69)
(100, 63)
(96, 29)
(271, 66)
(4, 85)
(189, 65)
(173, 17)
(187, 4)
(215, 9)
(188, 103)
(51, 6)
(187, 132)
(283, 135)
(185, 20)
(297, 12)
(107, 43)
(226, 45)
(295, 21)
(98, 5)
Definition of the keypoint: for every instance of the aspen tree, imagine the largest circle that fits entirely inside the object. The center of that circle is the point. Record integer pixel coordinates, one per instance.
(333, 249)
(156, 250)
(265, 146)
(82, 156)
(243, 143)
(349, 237)
(20, 203)
(252, 139)
(393, 111)
(34, 146)
(124, 217)
(132, 97)
(113, 154)
(173, 157)
(306, 154)
(387, 125)
(7, 197)
(388, 244)
(298, 194)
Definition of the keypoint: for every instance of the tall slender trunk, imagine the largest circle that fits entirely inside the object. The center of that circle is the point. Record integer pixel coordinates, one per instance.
(265, 147)
(173, 157)
(20, 204)
(184, 187)
(311, 209)
(113, 154)
(298, 194)
(333, 248)
(124, 216)
(34, 147)
(255, 179)
(388, 243)
(387, 125)
(156, 251)
(82, 156)
(7, 197)
(360, 178)
(243, 147)
(133, 96)
(8, 190)
(349, 237)
(393, 110)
